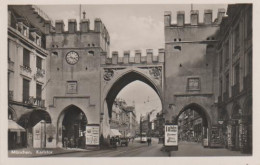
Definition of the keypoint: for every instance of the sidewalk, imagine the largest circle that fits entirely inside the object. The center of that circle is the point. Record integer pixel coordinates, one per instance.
(39, 152)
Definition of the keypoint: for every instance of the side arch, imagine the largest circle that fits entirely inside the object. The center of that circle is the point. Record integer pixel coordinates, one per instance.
(71, 124)
(200, 110)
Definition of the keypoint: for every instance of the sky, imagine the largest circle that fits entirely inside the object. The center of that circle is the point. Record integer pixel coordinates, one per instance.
(131, 27)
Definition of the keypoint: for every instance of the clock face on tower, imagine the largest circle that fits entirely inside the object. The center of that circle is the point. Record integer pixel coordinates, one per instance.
(72, 57)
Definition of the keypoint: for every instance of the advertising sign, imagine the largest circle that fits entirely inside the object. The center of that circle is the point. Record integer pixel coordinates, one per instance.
(92, 135)
(229, 135)
(171, 135)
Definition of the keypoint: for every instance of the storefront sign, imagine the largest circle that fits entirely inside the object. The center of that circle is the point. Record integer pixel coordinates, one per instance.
(171, 135)
(92, 135)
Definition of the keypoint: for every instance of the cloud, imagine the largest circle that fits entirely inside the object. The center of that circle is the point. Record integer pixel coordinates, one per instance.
(137, 33)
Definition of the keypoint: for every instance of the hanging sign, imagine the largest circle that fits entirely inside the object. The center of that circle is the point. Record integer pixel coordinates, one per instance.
(92, 135)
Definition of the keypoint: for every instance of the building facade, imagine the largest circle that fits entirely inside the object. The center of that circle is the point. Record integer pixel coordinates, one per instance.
(235, 77)
(67, 81)
(26, 73)
(190, 63)
(123, 118)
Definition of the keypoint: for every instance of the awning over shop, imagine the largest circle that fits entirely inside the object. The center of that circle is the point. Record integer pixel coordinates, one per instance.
(115, 132)
(14, 127)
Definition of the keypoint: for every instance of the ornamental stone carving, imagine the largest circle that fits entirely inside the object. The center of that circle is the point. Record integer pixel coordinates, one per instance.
(109, 73)
(155, 72)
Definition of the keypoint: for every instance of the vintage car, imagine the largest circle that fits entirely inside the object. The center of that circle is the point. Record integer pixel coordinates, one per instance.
(124, 141)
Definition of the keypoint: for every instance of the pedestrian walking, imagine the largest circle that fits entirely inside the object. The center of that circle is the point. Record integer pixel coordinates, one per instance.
(149, 141)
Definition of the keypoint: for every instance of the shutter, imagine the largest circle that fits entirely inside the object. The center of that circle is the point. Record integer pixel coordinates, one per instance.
(26, 89)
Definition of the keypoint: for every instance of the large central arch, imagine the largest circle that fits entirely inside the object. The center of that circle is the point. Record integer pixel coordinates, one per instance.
(123, 81)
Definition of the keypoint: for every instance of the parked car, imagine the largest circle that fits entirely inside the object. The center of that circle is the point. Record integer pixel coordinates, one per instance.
(124, 141)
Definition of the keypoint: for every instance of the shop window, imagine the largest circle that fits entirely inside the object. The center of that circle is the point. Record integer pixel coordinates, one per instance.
(193, 84)
(26, 57)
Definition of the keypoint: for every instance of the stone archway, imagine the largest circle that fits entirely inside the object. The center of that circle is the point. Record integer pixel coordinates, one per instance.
(71, 126)
(11, 113)
(123, 81)
(201, 124)
(113, 87)
(29, 120)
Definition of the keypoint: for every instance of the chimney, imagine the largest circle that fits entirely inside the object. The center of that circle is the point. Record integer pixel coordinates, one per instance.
(207, 17)
(167, 18)
(47, 27)
(72, 25)
(194, 17)
(221, 13)
(84, 25)
(98, 25)
(180, 18)
(59, 26)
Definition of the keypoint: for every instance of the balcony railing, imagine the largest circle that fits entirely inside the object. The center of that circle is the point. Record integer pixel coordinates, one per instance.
(248, 82)
(225, 96)
(10, 95)
(10, 65)
(35, 102)
(39, 75)
(235, 90)
(26, 70)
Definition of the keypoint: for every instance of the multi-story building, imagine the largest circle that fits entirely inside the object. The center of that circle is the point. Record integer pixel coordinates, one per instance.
(123, 118)
(131, 114)
(159, 124)
(26, 72)
(235, 77)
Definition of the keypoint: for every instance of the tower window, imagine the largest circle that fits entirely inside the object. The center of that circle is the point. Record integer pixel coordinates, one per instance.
(177, 48)
(193, 84)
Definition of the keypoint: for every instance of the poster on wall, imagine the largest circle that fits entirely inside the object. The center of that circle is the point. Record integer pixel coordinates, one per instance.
(92, 135)
(229, 135)
(171, 135)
